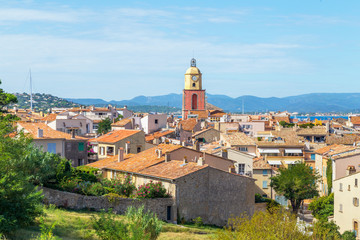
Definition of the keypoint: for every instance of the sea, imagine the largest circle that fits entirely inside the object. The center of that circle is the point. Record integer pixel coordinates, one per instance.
(312, 118)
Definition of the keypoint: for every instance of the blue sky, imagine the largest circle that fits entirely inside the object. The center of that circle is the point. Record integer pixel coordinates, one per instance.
(117, 50)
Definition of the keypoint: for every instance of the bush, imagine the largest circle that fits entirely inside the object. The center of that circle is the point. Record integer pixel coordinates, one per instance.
(280, 224)
(151, 190)
(85, 176)
(326, 230)
(124, 188)
(149, 224)
(141, 225)
(70, 185)
(198, 222)
(348, 235)
(322, 207)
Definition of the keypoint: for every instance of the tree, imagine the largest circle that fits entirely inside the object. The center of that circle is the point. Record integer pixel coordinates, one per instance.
(20, 202)
(267, 225)
(329, 174)
(6, 99)
(104, 126)
(322, 207)
(296, 183)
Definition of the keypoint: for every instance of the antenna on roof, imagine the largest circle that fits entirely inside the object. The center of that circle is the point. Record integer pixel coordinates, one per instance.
(243, 105)
(31, 97)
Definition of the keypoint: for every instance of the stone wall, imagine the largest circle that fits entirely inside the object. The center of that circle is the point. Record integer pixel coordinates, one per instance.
(75, 201)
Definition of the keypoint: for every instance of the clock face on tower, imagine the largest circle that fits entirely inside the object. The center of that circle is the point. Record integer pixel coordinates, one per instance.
(194, 78)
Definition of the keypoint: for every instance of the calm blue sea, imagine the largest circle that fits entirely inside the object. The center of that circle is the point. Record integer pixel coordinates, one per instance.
(312, 118)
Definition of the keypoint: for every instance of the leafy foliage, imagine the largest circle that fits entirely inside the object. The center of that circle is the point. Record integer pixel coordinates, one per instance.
(20, 202)
(348, 235)
(104, 126)
(286, 125)
(140, 225)
(306, 125)
(151, 190)
(326, 230)
(329, 175)
(277, 224)
(296, 183)
(322, 207)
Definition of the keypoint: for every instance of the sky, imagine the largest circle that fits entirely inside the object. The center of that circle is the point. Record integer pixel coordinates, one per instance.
(117, 50)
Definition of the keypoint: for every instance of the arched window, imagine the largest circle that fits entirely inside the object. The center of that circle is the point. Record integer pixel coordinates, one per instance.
(194, 101)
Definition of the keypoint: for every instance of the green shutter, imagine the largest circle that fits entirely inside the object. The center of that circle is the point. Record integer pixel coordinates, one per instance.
(81, 146)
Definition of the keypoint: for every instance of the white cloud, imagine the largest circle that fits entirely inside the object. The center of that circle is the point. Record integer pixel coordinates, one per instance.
(19, 15)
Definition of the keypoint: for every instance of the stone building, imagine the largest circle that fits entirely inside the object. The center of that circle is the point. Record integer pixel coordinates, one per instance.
(207, 135)
(198, 189)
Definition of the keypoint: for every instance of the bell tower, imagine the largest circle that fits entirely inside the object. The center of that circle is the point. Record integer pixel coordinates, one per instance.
(193, 94)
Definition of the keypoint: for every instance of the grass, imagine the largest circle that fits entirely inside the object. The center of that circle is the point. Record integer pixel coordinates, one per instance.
(77, 225)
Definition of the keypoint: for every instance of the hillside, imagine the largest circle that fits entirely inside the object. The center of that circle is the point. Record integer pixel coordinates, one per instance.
(42, 102)
(306, 103)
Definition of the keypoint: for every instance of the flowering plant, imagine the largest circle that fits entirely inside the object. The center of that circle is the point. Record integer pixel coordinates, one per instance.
(151, 190)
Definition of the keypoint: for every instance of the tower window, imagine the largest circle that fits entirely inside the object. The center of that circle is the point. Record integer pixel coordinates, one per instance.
(193, 84)
(194, 101)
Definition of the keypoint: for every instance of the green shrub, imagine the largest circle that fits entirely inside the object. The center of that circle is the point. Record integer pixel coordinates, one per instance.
(151, 190)
(84, 175)
(125, 187)
(108, 228)
(46, 231)
(348, 235)
(112, 196)
(198, 222)
(145, 220)
(326, 230)
(96, 189)
(64, 170)
(322, 207)
(70, 185)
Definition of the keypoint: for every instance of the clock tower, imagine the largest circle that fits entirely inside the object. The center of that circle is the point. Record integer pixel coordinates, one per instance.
(193, 94)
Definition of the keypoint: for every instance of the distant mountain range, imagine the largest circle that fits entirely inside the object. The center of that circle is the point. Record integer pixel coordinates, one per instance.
(306, 103)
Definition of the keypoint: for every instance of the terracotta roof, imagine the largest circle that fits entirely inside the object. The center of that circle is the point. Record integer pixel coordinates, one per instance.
(314, 131)
(334, 149)
(122, 122)
(107, 161)
(173, 169)
(143, 160)
(355, 119)
(347, 154)
(48, 133)
(201, 114)
(51, 117)
(279, 144)
(288, 135)
(204, 130)
(238, 138)
(115, 136)
(348, 139)
(188, 124)
(158, 134)
(280, 118)
(260, 163)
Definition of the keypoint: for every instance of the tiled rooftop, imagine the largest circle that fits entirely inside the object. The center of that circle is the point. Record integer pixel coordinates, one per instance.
(158, 134)
(238, 138)
(115, 136)
(122, 122)
(188, 124)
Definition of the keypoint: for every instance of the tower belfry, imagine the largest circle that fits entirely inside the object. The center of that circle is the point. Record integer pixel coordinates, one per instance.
(193, 94)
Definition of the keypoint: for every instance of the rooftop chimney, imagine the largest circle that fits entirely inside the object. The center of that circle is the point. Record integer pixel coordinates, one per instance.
(121, 154)
(196, 145)
(159, 153)
(224, 153)
(232, 169)
(201, 161)
(350, 170)
(185, 159)
(40, 133)
(167, 157)
(127, 147)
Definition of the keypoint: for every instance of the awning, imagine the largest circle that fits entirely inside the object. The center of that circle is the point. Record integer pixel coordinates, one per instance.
(293, 151)
(274, 162)
(290, 162)
(269, 150)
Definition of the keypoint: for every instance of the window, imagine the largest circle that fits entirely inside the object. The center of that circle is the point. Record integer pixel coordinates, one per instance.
(341, 187)
(241, 168)
(356, 182)
(264, 195)
(243, 149)
(349, 188)
(51, 147)
(113, 174)
(81, 146)
(138, 149)
(168, 211)
(313, 156)
(102, 150)
(110, 151)
(356, 201)
(340, 208)
(194, 102)
(193, 84)
(265, 172)
(156, 121)
(80, 162)
(264, 184)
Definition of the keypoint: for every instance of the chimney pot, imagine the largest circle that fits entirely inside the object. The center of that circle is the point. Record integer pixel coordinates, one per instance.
(127, 147)
(167, 157)
(40, 133)
(121, 154)
(159, 152)
(185, 159)
(224, 153)
(201, 161)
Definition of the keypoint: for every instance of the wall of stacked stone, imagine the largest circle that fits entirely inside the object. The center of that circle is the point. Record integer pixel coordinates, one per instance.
(97, 203)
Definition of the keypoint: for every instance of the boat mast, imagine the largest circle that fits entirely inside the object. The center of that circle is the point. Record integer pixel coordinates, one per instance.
(31, 97)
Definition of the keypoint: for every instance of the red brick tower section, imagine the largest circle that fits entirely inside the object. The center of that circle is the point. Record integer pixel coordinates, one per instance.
(193, 94)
